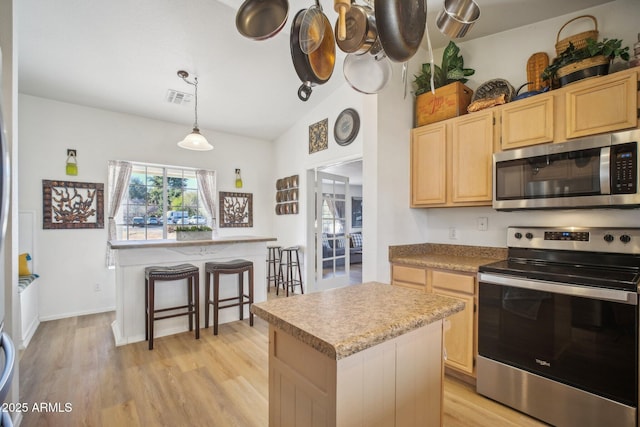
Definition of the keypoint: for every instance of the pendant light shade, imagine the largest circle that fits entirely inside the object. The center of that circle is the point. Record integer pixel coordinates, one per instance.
(195, 140)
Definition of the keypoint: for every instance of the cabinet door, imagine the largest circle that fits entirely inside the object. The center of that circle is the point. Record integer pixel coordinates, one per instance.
(459, 328)
(527, 122)
(428, 165)
(606, 106)
(472, 158)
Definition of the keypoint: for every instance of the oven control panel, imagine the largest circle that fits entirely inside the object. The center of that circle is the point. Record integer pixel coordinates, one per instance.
(593, 239)
(580, 236)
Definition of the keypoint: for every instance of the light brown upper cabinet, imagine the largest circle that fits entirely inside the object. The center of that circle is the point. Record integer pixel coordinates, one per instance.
(527, 122)
(451, 162)
(603, 104)
(588, 107)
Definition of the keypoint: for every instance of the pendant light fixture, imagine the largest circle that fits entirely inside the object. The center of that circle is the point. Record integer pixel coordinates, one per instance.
(194, 141)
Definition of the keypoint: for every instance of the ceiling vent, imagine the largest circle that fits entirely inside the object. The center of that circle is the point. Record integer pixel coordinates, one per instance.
(178, 98)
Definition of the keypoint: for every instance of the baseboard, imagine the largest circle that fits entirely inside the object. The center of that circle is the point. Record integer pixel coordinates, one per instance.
(28, 334)
(78, 313)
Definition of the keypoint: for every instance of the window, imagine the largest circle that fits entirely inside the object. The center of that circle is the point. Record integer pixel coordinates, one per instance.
(158, 199)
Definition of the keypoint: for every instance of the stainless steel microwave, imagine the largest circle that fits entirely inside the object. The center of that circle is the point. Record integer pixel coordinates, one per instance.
(595, 172)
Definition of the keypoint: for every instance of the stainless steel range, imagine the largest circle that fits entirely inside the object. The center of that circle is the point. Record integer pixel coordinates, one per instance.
(558, 325)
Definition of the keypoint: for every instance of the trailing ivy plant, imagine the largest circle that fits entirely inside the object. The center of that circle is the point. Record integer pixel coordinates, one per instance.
(451, 70)
(610, 48)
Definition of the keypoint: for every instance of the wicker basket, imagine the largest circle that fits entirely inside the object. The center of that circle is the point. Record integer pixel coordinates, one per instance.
(579, 40)
(594, 61)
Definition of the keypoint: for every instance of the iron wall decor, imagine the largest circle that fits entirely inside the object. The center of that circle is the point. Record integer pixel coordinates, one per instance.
(236, 209)
(318, 140)
(69, 205)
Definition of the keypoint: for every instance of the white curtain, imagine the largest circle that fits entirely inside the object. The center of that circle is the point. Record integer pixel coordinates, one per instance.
(119, 175)
(207, 191)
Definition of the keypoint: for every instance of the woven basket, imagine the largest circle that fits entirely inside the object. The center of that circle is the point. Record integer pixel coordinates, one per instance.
(579, 40)
(594, 61)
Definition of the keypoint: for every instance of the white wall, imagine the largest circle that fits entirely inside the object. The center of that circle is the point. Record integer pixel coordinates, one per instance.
(71, 262)
(292, 157)
(505, 56)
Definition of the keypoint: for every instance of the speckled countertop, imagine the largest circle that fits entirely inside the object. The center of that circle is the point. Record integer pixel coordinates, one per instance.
(449, 257)
(344, 321)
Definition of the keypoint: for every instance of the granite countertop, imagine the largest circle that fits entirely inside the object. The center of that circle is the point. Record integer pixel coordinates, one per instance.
(172, 243)
(448, 257)
(341, 322)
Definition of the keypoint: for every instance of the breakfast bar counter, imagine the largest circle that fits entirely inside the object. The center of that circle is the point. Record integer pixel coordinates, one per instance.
(133, 256)
(368, 354)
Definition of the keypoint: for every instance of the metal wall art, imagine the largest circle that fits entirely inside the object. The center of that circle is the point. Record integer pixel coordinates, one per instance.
(318, 139)
(287, 195)
(236, 209)
(69, 205)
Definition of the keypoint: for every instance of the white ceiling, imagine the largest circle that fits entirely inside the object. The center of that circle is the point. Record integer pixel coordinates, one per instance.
(123, 55)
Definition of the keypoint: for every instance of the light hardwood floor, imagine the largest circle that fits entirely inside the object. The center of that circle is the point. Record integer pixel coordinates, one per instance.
(214, 381)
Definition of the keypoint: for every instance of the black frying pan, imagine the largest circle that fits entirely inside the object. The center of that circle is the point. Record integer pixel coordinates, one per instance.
(401, 25)
(315, 68)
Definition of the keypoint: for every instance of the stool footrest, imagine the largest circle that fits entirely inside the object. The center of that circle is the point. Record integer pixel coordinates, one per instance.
(169, 316)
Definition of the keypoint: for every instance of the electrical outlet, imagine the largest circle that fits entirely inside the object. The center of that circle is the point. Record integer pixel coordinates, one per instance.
(71, 152)
(453, 233)
(483, 223)
(97, 287)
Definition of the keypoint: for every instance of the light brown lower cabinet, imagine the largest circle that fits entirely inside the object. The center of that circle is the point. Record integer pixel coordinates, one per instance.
(460, 329)
(395, 383)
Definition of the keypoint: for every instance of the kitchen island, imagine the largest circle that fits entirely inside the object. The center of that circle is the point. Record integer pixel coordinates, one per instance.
(132, 256)
(368, 354)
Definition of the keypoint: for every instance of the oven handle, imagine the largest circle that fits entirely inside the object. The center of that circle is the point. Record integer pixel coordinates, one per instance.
(624, 297)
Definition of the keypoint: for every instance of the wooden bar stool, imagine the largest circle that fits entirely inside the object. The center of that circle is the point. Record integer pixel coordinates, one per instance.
(289, 273)
(170, 273)
(238, 266)
(273, 261)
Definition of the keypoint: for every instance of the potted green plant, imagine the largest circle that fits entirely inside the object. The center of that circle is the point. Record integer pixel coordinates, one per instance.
(451, 96)
(592, 60)
(193, 232)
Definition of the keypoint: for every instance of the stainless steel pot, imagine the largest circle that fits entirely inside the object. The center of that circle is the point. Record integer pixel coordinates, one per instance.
(361, 31)
(261, 19)
(457, 17)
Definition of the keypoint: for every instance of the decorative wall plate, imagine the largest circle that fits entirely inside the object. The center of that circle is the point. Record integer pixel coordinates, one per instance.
(346, 127)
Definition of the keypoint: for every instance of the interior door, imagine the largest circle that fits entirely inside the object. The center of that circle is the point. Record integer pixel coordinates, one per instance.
(333, 226)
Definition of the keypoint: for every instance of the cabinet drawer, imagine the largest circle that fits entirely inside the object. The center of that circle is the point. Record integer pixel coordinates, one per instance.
(403, 273)
(454, 282)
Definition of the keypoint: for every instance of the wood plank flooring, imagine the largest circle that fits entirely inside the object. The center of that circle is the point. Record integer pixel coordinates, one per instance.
(214, 381)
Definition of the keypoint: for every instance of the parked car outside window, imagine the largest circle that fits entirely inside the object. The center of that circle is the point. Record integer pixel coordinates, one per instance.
(137, 221)
(197, 219)
(153, 221)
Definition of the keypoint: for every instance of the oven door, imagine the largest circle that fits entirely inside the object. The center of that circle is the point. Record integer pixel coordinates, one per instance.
(580, 336)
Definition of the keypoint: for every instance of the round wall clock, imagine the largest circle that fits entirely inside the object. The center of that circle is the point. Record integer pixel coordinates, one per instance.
(346, 127)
